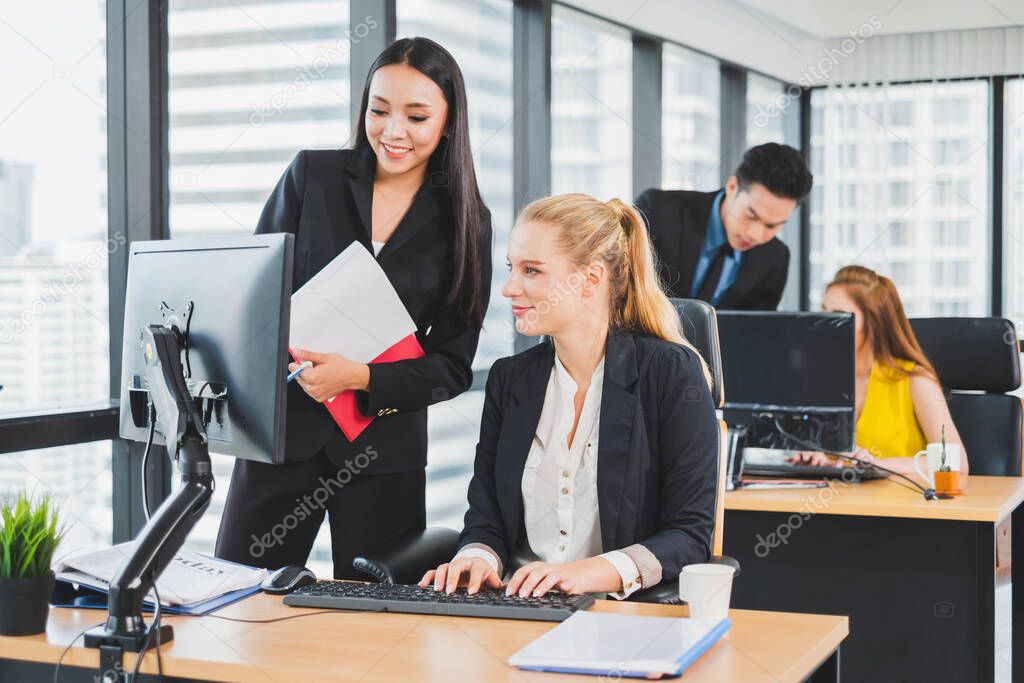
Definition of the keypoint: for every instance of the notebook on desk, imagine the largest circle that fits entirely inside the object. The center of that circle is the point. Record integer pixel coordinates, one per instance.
(620, 645)
(191, 584)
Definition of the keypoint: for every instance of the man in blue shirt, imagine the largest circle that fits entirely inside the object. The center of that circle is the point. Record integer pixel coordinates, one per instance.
(722, 247)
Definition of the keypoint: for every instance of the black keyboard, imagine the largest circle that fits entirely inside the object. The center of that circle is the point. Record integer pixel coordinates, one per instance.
(488, 602)
(847, 474)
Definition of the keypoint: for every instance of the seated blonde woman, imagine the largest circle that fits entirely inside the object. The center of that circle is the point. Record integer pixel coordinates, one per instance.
(596, 469)
(900, 406)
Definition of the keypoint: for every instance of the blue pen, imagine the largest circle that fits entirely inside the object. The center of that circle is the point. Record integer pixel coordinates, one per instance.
(305, 364)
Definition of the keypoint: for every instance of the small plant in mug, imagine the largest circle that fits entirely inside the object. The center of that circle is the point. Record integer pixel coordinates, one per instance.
(943, 465)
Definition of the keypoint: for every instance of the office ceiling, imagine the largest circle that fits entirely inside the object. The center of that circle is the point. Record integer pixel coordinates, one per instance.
(835, 18)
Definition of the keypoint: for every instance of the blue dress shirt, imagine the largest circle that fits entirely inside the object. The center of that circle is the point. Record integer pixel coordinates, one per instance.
(714, 238)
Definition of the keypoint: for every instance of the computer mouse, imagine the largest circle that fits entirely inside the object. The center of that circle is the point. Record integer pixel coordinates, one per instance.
(287, 579)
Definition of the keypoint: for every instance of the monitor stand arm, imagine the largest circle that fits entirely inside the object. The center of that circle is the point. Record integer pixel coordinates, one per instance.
(164, 534)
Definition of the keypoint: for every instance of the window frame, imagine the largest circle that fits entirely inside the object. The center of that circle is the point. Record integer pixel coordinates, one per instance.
(996, 137)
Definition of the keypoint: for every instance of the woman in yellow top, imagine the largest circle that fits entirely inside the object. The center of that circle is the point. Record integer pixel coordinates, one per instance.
(900, 405)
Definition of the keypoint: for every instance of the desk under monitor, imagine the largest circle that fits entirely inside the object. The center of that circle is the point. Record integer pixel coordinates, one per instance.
(916, 577)
(383, 648)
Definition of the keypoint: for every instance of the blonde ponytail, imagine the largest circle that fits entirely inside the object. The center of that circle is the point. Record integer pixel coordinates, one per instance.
(614, 232)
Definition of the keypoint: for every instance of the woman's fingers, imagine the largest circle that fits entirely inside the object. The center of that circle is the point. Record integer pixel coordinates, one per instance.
(491, 579)
(427, 579)
(440, 576)
(532, 579)
(547, 584)
(517, 578)
(455, 570)
(477, 572)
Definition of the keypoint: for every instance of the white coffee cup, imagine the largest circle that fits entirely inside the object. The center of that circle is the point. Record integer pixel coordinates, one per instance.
(933, 454)
(706, 589)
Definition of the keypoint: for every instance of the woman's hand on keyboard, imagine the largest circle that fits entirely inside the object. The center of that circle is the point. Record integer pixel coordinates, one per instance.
(592, 575)
(812, 458)
(471, 572)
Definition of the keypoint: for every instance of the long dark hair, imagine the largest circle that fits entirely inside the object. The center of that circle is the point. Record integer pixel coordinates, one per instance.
(450, 165)
(885, 323)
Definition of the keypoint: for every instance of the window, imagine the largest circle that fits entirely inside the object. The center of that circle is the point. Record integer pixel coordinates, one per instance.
(249, 87)
(902, 273)
(899, 234)
(478, 33)
(951, 152)
(1013, 203)
(78, 478)
(591, 85)
(899, 153)
(927, 188)
(953, 233)
(54, 246)
(899, 193)
(690, 113)
(768, 105)
(952, 111)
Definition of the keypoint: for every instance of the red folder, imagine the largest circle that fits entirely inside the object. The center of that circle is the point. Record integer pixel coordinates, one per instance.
(343, 406)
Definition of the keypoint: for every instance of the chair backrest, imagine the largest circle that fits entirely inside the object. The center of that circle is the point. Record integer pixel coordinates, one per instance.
(700, 327)
(978, 361)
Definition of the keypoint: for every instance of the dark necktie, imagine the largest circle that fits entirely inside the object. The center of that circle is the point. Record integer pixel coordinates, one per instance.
(714, 273)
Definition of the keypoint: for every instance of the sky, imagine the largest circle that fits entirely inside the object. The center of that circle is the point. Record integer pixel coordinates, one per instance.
(52, 111)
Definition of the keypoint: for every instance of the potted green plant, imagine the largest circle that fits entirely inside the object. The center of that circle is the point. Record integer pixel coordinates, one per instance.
(29, 533)
(946, 479)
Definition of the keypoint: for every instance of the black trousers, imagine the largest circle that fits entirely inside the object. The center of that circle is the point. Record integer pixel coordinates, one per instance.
(273, 512)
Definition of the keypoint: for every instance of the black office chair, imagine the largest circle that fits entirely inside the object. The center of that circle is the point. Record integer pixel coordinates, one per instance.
(700, 327)
(978, 361)
(408, 558)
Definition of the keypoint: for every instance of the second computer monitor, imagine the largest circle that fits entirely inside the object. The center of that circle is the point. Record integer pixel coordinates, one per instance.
(790, 375)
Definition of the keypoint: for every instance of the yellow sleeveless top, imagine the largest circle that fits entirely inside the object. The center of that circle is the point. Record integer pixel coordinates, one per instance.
(887, 426)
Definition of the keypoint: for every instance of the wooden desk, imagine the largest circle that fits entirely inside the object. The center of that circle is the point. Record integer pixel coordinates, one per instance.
(354, 646)
(916, 577)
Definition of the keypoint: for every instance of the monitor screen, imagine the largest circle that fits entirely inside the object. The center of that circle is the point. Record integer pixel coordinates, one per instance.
(787, 360)
(232, 295)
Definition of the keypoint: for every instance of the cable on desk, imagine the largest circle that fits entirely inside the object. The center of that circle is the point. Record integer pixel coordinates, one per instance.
(56, 671)
(270, 621)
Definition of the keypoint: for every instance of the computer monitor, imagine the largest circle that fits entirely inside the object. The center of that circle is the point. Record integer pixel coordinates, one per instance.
(789, 375)
(231, 295)
(203, 365)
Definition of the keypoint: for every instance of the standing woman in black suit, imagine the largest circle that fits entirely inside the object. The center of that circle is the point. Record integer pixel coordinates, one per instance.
(406, 191)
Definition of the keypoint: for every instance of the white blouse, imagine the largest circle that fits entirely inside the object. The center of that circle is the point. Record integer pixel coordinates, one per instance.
(377, 246)
(559, 485)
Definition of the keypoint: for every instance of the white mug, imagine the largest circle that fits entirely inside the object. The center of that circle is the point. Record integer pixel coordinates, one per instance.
(706, 588)
(933, 453)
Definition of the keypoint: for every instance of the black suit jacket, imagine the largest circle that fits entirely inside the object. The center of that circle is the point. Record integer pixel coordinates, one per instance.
(324, 198)
(657, 451)
(678, 220)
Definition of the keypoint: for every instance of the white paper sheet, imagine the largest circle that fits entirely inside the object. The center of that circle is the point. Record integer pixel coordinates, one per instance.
(349, 308)
(190, 577)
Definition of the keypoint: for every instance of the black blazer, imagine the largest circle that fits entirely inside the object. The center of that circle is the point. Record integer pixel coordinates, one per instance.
(678, 220)
(657, 453)
(324, 198)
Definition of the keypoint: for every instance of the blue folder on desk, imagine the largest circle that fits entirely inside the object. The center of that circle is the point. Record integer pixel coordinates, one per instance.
(191, 583)
(67, 595)
(620, 645)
